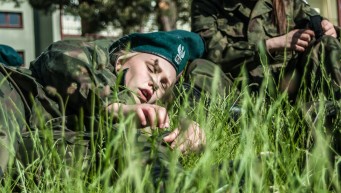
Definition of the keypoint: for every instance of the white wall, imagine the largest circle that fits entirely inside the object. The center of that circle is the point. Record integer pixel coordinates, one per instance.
(328, 9)
(20, 39)
(56, 25)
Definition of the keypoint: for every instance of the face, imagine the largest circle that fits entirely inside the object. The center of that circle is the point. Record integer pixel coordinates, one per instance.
(148, 76)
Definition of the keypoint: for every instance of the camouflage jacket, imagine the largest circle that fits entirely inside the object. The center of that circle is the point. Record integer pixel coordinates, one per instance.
(70, 78)
(233, 32)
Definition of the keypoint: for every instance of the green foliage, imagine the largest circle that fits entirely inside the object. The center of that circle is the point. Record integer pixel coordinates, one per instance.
(269, 146)
(16, 2)
(183, 9)
(128, 15)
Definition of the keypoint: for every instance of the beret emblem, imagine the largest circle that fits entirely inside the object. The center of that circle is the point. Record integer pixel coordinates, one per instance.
(181, 54)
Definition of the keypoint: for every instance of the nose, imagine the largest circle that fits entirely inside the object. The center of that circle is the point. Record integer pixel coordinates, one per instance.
(153, 83)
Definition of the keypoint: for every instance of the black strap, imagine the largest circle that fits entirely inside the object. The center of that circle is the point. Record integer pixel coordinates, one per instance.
(315, 25)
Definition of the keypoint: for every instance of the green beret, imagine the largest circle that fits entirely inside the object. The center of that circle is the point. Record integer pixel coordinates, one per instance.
(178, 46)
(9, 56)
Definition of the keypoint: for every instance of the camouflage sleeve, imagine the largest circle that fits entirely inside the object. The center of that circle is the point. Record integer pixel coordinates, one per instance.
(302, 13)
(78, 71)
(220, 49)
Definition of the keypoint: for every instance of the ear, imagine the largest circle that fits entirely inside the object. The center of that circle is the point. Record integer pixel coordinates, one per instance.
(118, 66)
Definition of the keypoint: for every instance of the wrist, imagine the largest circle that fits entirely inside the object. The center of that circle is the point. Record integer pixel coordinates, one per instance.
(270, 45)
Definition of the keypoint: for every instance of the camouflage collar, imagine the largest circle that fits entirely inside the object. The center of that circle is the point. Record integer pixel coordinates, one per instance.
(261, 7)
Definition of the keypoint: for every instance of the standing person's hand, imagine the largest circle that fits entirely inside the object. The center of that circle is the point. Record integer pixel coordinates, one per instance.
(328, 28)
(147, 114)
(297, 40)
(190, 137)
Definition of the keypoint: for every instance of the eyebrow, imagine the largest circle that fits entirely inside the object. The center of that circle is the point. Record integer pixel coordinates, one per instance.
(157, 66)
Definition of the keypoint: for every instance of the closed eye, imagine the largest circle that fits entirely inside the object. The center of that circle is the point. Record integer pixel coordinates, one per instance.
(164, 84)
(151, 68)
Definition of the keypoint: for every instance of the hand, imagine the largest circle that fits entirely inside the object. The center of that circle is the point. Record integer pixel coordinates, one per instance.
(297, 40)
(328, 28)
(192, 139)
(147, 114)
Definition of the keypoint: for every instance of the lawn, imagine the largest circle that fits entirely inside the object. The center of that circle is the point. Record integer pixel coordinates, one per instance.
(272, 146)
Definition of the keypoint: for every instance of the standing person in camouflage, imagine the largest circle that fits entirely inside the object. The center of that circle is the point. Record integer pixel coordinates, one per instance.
(73, 83)
(236, 32)
(286, 38)
(166, 15)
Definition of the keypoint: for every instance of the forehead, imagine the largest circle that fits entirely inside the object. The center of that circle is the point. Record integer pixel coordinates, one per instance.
(145, 58)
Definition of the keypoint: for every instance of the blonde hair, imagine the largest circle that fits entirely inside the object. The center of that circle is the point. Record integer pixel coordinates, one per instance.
(126, 56)
(121, 56)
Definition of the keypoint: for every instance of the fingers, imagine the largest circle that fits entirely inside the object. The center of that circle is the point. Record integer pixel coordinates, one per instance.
(162, 116)
(141, 116)
(192, 139)
(328, 28)
(172, 136)
(147, 114)
(331, 32)
(301, 45)
(306, 37)
(301, 39)
(152, 115)
(190, 146)
(309, 32)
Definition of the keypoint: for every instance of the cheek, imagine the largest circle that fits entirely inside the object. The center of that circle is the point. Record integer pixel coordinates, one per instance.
(134, 79)
(158, 95)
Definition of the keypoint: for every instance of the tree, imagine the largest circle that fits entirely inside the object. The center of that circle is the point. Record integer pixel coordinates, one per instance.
(16, 2)
(183, 9)
(128, 15)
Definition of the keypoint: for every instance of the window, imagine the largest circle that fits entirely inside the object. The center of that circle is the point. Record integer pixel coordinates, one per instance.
(11, 20)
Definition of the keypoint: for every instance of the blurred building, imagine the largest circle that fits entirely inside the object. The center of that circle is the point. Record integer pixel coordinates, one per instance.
(17, 29)
(30, 31)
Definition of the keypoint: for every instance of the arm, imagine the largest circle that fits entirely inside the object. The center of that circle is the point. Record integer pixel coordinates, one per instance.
(79, 73)
(299, 38)
(147, 114)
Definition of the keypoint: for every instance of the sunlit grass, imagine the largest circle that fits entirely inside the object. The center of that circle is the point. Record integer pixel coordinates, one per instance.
(271, 146)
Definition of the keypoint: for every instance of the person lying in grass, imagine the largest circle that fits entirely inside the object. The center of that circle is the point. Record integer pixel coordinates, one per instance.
(72, 85)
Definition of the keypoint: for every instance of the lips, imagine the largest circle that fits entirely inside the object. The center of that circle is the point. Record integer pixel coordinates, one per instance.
(144, 95)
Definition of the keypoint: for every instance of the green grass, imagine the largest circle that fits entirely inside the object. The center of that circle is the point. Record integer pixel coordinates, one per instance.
(275, 150)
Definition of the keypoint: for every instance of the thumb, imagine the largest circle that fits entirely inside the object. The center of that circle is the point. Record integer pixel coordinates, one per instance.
(172, 136)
